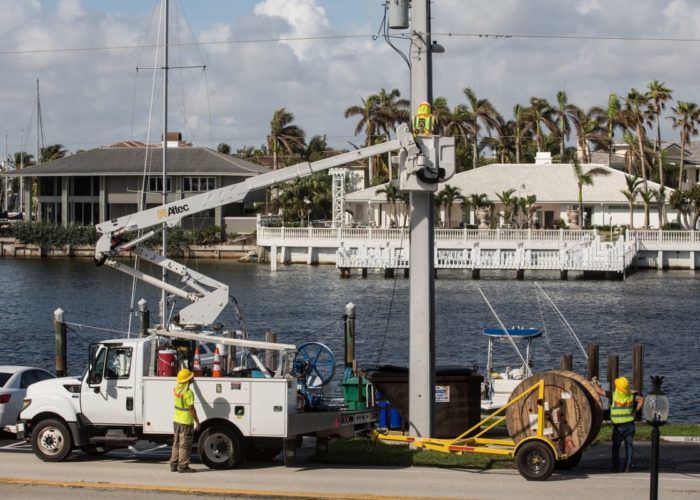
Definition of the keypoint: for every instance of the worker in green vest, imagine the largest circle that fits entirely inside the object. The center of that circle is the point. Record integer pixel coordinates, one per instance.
(624, 403)
(185, 423)
(424, 121)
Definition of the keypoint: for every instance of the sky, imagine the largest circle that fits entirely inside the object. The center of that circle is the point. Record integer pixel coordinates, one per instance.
(85, 54)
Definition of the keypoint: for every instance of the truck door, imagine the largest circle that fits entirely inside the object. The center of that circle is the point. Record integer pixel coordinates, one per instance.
(107, 395)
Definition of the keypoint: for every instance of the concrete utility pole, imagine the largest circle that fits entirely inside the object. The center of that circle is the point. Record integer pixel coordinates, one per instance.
(422, 286)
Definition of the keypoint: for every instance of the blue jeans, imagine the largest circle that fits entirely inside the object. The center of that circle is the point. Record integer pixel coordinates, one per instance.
(622, 432)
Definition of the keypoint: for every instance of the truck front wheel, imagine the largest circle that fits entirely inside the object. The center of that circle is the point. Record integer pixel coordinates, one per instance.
(221, 447)
(51, 440)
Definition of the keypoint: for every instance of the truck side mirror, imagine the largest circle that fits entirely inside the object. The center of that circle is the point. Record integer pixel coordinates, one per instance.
(96, 365)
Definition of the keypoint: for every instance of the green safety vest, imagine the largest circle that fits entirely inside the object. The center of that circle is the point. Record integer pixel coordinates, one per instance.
(184, 398)
(622, 408)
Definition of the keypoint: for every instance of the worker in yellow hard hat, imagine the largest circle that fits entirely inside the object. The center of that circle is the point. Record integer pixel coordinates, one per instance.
(424, 121)
(624, 403)
(185, 422)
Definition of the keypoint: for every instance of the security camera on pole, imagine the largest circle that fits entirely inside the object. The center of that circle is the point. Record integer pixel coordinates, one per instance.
(420, 171)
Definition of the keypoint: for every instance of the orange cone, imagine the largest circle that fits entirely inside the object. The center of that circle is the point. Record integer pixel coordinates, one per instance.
(216, 369)
(197, 363)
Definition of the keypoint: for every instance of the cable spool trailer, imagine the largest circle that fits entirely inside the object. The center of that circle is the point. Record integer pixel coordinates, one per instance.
(551, 418)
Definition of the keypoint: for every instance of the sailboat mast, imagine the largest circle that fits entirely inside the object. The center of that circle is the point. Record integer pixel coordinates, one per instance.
(39, 125)
(163, 304)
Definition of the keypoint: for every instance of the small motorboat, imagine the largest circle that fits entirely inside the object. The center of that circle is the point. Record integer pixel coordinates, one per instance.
(498, 385)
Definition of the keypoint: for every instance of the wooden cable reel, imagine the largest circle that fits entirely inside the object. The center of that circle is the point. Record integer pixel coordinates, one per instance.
(573, 411)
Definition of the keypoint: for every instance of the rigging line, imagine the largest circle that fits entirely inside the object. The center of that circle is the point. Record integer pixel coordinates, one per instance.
(138, 63)
(527, 369)
(391, 306)
(544, 325)
(81, 326)
(563, 319)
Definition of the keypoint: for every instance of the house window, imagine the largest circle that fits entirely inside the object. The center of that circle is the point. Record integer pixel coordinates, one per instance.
(48, 186)
(51, 212)
(155, 184)
(197, 184)
(85, 186)
(86, 213)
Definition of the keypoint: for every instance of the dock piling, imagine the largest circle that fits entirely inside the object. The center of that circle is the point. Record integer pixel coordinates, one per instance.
(613, 369)
(566, 362)
(593, 361)
(60, 335)
(638, 367)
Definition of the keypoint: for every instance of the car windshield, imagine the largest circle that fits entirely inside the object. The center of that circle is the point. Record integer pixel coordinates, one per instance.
(4, 377)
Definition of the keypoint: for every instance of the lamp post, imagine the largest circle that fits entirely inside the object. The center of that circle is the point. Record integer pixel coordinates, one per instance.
(656, 409)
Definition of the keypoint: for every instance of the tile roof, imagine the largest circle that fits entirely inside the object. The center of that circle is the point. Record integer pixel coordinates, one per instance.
(115, 161)
(554, 183)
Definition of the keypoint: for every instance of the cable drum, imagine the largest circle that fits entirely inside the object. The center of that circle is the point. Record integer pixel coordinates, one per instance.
(572, 416)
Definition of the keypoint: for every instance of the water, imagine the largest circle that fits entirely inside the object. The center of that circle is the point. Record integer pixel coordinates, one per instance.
(303, 303)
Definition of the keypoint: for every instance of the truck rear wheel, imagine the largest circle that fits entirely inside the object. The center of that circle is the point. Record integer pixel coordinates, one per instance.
(51, 440)
(221, 447)
(535, 460)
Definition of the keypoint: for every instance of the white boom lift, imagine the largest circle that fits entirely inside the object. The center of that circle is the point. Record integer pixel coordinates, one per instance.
(424, 161)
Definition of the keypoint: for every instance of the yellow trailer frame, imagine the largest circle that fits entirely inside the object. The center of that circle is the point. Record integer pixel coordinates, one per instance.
(537, 461)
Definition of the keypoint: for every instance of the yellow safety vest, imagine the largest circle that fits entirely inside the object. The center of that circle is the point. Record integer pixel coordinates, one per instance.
(622, 408)
(184, 398)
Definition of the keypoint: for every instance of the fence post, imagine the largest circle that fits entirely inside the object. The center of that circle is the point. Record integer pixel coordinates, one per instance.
(60, 336)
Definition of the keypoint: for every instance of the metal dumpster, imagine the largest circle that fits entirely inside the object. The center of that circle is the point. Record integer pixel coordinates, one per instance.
(457, 396)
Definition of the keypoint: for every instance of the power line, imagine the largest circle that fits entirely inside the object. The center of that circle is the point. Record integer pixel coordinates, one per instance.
(361, 35)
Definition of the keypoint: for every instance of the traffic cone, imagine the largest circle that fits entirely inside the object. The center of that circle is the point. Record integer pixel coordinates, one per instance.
(197, 364)
(216, 369)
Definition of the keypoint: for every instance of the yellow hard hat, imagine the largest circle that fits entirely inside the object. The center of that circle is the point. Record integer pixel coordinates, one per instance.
(184, 375)
(622, 384)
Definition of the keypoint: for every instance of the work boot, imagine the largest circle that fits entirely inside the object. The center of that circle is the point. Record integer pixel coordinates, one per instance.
(628, 468)
(187, 469)
(173, 469)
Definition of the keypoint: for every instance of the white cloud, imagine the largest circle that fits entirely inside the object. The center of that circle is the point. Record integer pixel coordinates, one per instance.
(87, 96)
(305, 18)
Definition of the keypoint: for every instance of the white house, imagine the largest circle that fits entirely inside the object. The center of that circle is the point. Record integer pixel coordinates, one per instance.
(554, 185)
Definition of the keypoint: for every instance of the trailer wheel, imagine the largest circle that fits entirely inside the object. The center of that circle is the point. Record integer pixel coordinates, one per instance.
(221, 447)
(569, 462)
(51, 440)
(535, 461)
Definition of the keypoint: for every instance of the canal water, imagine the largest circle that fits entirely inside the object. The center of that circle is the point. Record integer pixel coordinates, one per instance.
(304, 303)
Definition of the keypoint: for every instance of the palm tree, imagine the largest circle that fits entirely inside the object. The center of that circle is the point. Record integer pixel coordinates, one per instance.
(633, 189)
(453, 123)
(687, 115)
(509, 205)
(224, 148)
(560, 116)
(636, 118)
(613, 120)
(316, 148)
(648, 196)
(518, 130)
(478, 112)
(585, 179)
(589, 129)
(538, 114)
(503, 144)
(393, 196)
(658, 96)
(52, 152)
(284, 136)
(447, 197)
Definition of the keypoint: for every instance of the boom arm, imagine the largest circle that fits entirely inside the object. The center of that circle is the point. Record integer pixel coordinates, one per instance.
(210, 297)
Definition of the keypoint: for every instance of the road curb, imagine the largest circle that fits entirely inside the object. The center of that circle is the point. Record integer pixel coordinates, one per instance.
(231, 492)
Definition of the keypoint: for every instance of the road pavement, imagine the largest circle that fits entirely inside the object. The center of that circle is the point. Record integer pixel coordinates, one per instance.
(145, 469)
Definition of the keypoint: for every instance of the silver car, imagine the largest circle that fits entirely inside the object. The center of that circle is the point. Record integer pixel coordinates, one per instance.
(14, 381)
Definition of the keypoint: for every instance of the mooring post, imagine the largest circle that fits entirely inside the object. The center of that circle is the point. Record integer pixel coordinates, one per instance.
(593, 364)
(638, 367)
(566, 362)
(613, 369)
(60, 334)
(271, 355)
(144, 318)
(349, 335)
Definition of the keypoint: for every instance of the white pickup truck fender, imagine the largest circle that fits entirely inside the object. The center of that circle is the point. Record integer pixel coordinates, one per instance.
(60, 396)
